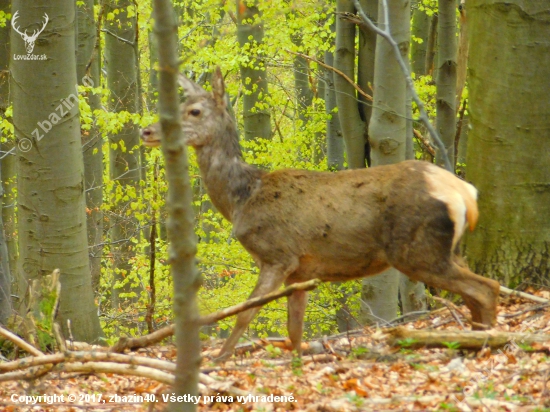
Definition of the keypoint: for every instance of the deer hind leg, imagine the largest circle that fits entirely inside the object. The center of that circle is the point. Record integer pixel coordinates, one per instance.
(297, 303)
(479, 293)
(270, 279)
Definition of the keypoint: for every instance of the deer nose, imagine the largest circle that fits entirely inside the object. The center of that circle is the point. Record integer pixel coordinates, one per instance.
(146, 132)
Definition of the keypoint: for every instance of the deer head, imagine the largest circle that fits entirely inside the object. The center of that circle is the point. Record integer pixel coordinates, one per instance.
(29, 40)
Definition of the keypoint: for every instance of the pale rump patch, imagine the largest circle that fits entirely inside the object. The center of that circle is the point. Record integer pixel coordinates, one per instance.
(459, 196)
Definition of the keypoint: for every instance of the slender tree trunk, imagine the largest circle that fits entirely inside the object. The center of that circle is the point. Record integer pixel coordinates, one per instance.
(87, 68)
(462, 58)
(7, 203)
(5, 276)
(365, 72)
(446, 79)
(419, 29)
(181, 217)
(52, 219)
(8, 160)
(353, 128)
(387, 135)
(431, 46)
(250, 33)
(335, 141)
(124, 159)
(412, 294)
(508, 142)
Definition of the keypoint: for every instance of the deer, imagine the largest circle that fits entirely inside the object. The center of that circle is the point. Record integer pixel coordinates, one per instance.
(300, 225)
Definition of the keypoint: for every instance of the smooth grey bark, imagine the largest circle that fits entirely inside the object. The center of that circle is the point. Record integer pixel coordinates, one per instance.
(87, 69)
(353, 128)
(462, 57)
(152, 91)
(250, 34)
(5, 275)
(124, 165)
(349, 114)
(419, 29)
(335, 141)
(7, 209)
(387, 136)
(446, 79)
(508, 141)
(50, 187)
(181, 220)
(411, 293)
(8, 160)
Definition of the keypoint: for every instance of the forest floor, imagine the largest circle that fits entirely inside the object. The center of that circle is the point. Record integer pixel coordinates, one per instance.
(358, 371)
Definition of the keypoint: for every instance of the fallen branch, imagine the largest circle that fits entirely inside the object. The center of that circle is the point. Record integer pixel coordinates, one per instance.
(465, 339)
(26, 374)
(19, 342)
(87, 357)
(529, 309)
(143, 341)
(506, 291)
(118, 368)
(105, 362)
(453, 309)
(155, 337)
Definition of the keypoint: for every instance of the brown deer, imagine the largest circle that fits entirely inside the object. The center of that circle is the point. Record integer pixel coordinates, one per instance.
(300, 225)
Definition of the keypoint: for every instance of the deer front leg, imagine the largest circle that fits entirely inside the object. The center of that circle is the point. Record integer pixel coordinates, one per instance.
(271, 278)
(297, 303)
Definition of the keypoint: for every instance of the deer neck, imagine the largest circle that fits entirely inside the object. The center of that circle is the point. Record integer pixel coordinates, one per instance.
(229, 180)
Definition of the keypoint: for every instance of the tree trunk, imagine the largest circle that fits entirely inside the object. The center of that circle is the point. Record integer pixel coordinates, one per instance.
(52, 219)
(250, 33)
(508, 142)
(124, 163)
(181, 221)
(5, 276)
(353, 128)
(335, 142)
(446, 80)
(419, 46)
(365, 72)
(87, 64)
(387, 136)
(8, 156)
(431, 46)
(462, 56)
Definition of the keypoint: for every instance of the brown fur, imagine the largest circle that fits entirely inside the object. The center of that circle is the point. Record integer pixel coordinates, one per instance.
(300, 224)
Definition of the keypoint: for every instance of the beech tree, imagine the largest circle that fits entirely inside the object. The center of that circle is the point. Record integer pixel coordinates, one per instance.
(7, 163)
(87, 67)
(508, 142)
(250, 33)
(124, 153)
(50, 185)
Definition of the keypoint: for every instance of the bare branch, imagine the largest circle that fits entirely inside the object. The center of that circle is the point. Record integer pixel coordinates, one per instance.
(423, 115)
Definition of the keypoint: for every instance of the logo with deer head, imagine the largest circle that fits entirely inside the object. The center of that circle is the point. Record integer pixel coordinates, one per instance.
(29, 39)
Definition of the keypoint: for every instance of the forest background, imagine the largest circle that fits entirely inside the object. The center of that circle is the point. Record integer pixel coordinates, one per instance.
(310, 88)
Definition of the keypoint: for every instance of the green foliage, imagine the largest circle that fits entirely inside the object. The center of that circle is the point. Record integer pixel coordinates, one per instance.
(452, 345)
(4, 17)
(407, 342)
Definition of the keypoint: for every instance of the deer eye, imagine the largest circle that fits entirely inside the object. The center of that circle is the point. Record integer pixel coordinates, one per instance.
(194, 112)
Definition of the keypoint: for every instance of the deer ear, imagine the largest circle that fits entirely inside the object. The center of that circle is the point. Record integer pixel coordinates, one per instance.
(218, 88)
(189, 87)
